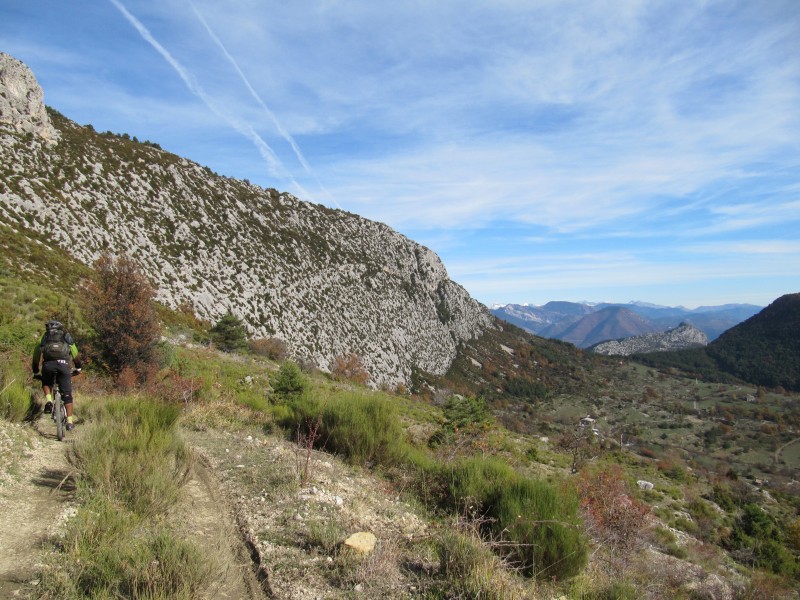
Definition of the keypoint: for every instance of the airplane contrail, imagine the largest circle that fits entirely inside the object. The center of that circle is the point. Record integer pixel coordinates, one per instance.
(267, 153)
(281, 130)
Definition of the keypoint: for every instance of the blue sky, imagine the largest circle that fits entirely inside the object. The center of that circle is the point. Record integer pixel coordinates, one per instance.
(546, 150)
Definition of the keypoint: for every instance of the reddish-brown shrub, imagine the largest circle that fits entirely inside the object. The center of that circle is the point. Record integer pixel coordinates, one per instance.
(272, 348)
(614, 519)
(349, 368)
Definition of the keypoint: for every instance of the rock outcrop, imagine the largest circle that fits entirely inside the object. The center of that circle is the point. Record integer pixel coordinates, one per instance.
(22, 101)
(325, 281)
(679, 338)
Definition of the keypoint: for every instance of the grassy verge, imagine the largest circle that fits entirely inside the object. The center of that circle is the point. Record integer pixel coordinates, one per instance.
(131, 466)
(16, 400)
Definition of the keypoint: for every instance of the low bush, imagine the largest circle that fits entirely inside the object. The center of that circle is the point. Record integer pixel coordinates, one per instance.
(471, 569)
(349, 368)
(272, 348)
(364, 428)
(133, 456)
(112, 554)
(537, 522)
(543, 522)
(360, 426)
(16, 399)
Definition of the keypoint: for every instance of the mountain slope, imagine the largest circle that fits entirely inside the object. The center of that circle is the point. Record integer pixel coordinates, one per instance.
(607, 324)
(765, 349)
(325, 281)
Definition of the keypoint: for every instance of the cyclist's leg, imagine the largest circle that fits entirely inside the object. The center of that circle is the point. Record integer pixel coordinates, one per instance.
(49, 372)
(65, 386)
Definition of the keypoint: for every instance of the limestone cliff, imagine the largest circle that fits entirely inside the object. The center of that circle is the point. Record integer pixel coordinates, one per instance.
(326, 281)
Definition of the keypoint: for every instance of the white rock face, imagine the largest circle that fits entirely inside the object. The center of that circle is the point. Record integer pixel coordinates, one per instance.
(22, 100)
(325, 281)
(683, 336)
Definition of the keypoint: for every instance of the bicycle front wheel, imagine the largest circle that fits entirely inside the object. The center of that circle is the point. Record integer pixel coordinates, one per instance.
(61, 416)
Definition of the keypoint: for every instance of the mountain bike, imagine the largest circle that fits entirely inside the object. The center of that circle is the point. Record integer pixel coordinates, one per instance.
(59, 411)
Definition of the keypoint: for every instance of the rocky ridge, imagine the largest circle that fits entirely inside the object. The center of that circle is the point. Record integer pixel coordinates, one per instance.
(325, 281)
(681, 337)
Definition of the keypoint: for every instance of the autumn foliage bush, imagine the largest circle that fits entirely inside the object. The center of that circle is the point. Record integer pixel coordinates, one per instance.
(349, 368)
(121, 312)
(615, 520)
(272, 348)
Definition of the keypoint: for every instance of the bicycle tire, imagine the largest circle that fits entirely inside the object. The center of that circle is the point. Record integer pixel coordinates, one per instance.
(60, 415)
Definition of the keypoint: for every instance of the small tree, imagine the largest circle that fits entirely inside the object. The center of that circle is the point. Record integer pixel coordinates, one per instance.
(121, 312)
(289, 382)
(229, 334)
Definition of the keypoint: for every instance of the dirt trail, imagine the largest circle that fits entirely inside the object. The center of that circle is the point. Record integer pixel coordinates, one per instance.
(33, 508)
(38, 500)
(209, 522)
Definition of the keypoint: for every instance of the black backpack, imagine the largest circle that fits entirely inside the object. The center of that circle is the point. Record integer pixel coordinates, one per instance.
(54, 343)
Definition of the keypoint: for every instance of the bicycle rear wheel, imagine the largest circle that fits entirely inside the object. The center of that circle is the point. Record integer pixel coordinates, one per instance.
(60, 414)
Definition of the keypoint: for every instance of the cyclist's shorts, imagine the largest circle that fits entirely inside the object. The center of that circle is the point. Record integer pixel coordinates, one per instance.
(58, 370)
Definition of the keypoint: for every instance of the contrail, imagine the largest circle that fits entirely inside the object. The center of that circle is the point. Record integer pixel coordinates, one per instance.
(267, 153)
(285, 134)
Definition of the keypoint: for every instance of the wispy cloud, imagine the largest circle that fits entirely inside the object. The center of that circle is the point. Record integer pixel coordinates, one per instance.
(273, 162)
(650, 141)
(283, 132)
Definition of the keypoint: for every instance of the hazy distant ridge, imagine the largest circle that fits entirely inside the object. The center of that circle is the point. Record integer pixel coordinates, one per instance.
(562, 320)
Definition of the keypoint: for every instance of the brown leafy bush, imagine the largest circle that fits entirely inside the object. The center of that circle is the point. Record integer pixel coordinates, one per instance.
(121, 312)
(272, 348)
(614, 519)
(349, 368)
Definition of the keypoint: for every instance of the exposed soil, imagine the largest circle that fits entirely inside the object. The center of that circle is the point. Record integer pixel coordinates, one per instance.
(297, 524)
(37, 497)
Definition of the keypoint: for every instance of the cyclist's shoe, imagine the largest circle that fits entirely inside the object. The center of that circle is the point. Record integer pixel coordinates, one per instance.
(70, 426)
(48, 407)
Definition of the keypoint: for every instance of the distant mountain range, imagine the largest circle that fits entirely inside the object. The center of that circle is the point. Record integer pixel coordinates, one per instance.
(585, 324)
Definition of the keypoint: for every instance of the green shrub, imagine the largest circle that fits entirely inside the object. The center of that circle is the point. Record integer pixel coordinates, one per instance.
(112, 554)
(15, 334)
(289, 382)
(539, 522)
(470, 568)
(363, 428)
(543, 523)
(757, 532)
(479, 480)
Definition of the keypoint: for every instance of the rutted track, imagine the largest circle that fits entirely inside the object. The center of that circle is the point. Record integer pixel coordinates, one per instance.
(38, 500)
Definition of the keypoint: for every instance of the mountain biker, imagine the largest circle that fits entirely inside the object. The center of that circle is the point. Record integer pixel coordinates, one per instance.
(55, 350)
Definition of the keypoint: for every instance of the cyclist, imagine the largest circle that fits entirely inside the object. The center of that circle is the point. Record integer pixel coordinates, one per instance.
(55, 350)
